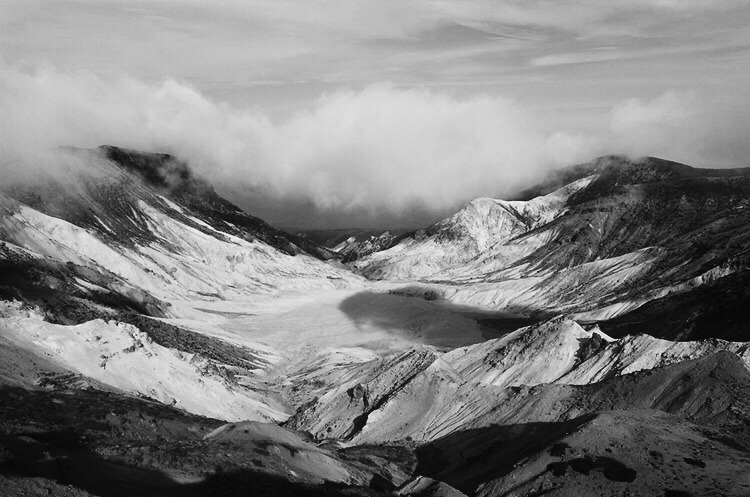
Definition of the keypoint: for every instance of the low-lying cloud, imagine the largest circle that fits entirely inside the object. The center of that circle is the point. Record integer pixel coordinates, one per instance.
(380, 148)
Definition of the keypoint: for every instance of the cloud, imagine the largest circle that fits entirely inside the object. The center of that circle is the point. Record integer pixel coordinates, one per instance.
(683, 126)
(636, 119)
(380, 148)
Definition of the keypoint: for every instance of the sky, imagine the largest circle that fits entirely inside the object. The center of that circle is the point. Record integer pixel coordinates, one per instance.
(376, 113)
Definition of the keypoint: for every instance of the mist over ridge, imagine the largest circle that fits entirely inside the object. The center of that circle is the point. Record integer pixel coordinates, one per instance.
(400, 154)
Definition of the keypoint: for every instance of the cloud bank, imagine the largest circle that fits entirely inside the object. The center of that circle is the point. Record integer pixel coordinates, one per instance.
(380, 148)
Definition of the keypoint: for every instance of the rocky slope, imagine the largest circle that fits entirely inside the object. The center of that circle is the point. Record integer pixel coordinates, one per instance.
(425, 395)
(140, 225)
(155, 332)
(626, 233)
(629, 453)
(352, 249)
(129, 235)
(478, 226)
(355, 243)
(478, 414)
(88, 442)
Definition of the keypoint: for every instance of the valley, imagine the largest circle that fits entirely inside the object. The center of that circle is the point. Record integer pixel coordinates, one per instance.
(590, 339)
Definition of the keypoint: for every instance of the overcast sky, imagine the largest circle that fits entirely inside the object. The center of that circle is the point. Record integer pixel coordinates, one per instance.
(378, 113)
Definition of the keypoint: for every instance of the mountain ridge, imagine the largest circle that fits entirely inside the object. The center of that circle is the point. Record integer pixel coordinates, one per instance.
(637, 230)
(227, 355)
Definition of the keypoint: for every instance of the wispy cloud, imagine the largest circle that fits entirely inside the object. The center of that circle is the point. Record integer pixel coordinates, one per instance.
(355, 43)
(582, 58)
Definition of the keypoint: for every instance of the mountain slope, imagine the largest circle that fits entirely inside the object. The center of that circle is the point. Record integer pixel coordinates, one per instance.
(178, 183)
(145, 220)
(716, 309)
(494, 382)
(89, 256)
(130, 282)
(475, 229)
(628, 453)
(628, 232)
(709, 392)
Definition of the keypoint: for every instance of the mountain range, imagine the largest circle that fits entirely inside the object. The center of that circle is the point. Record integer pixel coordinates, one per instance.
(589, 337)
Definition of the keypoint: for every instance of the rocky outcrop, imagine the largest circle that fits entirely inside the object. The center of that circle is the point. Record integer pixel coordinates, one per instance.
(526, 375)
(343, 411)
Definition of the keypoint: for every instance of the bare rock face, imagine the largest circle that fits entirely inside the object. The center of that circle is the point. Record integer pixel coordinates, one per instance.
(352, 249)
(358, 393)
(343, 412)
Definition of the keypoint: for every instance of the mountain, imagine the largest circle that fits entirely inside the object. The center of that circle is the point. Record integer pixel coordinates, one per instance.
(134, 235)
(333, 238)
(478, 412)
(353, 249)
(425, 395)
(145, 209)
(353, 244)
(174, 179)
(626, 233)
(156, 339)
(478, 226)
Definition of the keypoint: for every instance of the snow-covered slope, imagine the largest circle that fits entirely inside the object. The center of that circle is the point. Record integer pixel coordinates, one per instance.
(139, 280)
(119, 231)
(131, 233)
(429, 395)
(240, 306)
(123, 357)
(626, 233)
(180, 261)
(481, 226)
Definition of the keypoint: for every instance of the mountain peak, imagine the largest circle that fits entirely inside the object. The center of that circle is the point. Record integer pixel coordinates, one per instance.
(646, 169)
(162, 171)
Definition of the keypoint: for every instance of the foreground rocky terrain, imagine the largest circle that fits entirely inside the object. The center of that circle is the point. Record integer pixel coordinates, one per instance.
(590, 338)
